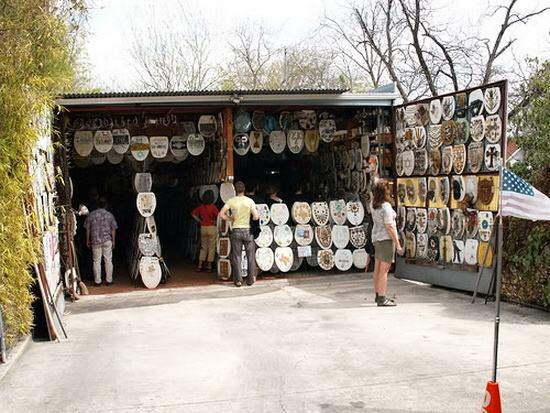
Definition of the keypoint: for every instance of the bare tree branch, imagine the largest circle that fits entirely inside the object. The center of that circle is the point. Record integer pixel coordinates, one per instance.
(175, 54)
(386, 56)
(393, 40)
(452, 71)
(413, 20)
(356, 51)
(497, 49)
(252, 52)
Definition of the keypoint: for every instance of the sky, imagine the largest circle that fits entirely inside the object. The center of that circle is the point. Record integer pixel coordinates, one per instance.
(112, 24)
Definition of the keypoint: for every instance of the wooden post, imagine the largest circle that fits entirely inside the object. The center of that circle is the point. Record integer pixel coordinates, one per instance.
(228, 131)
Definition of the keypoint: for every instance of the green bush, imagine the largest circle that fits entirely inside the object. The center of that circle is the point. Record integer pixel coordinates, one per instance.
(35, 65)
(527, 261)
(527, 244)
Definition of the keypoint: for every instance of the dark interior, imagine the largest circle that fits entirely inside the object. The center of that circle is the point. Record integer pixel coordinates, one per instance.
(173, 184)
(115, 183)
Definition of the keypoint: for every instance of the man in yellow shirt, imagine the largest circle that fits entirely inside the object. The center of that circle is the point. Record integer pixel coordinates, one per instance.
(242, 209)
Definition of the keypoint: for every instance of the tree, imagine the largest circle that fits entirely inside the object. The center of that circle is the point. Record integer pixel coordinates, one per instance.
(251, 53)
(532, 125)
(388, 42)
(174, 53)
(500, 45)
(396, 40)
(527, 244)
(353, 42)
(302, 67)
(257, 62)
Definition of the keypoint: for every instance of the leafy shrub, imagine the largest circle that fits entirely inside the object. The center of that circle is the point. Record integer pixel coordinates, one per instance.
(527, 261)
(35, 65)
(527, 244)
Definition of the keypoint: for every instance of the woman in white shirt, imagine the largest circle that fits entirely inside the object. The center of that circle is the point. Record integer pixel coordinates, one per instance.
(385, 241)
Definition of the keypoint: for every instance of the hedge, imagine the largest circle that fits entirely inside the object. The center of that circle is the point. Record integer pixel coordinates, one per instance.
(35, 65)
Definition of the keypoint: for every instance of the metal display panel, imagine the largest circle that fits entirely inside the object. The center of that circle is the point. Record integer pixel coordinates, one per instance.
(448, 277)
(448, 149)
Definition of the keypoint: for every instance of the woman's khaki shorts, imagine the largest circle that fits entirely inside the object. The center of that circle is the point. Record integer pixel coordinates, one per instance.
(384, 250)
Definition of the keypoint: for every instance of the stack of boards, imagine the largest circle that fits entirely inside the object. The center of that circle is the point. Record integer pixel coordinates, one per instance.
(326, 234)
(145, 255)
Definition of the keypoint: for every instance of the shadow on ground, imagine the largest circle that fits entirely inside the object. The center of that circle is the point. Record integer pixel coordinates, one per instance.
(357, 291)
(339, 291)
(360, 406)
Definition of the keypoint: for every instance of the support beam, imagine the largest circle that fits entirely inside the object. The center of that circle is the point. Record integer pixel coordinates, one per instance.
(228, 132)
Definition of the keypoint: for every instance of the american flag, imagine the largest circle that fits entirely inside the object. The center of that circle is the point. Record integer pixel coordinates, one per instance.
(522, 200)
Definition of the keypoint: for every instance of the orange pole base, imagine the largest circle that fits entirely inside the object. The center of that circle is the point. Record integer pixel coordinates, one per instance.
(491, 401)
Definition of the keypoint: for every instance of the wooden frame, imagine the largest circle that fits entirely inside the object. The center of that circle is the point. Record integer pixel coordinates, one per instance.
(228, 135)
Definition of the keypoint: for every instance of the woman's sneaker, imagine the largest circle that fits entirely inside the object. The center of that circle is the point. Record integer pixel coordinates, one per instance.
(383, 301)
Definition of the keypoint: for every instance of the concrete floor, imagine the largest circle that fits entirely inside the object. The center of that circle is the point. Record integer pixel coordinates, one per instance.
(309, 345)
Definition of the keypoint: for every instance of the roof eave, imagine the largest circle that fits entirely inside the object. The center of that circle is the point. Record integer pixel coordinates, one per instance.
(324, 99)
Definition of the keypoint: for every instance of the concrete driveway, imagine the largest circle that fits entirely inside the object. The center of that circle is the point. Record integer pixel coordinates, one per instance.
(307, 345)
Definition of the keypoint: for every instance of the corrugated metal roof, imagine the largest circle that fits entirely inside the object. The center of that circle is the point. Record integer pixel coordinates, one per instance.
(132, 94)
(224, 98)
(389, 88)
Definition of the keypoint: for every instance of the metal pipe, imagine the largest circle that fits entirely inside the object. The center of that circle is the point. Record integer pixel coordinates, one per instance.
(498, 287)
(500, 233)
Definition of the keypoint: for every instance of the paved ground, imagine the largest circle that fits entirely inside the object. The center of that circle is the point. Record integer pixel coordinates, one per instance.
(313, 345)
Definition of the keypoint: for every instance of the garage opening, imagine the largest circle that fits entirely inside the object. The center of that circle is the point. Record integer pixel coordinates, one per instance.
(153, 165)
(177, 182)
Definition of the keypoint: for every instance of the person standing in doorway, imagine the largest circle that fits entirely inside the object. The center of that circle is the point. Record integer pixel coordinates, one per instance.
(93, 197)
(300, 195)
(385, 241)
(206, 214)
(101, 229)
(272, 196)
(252, 191)
(242, 208)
